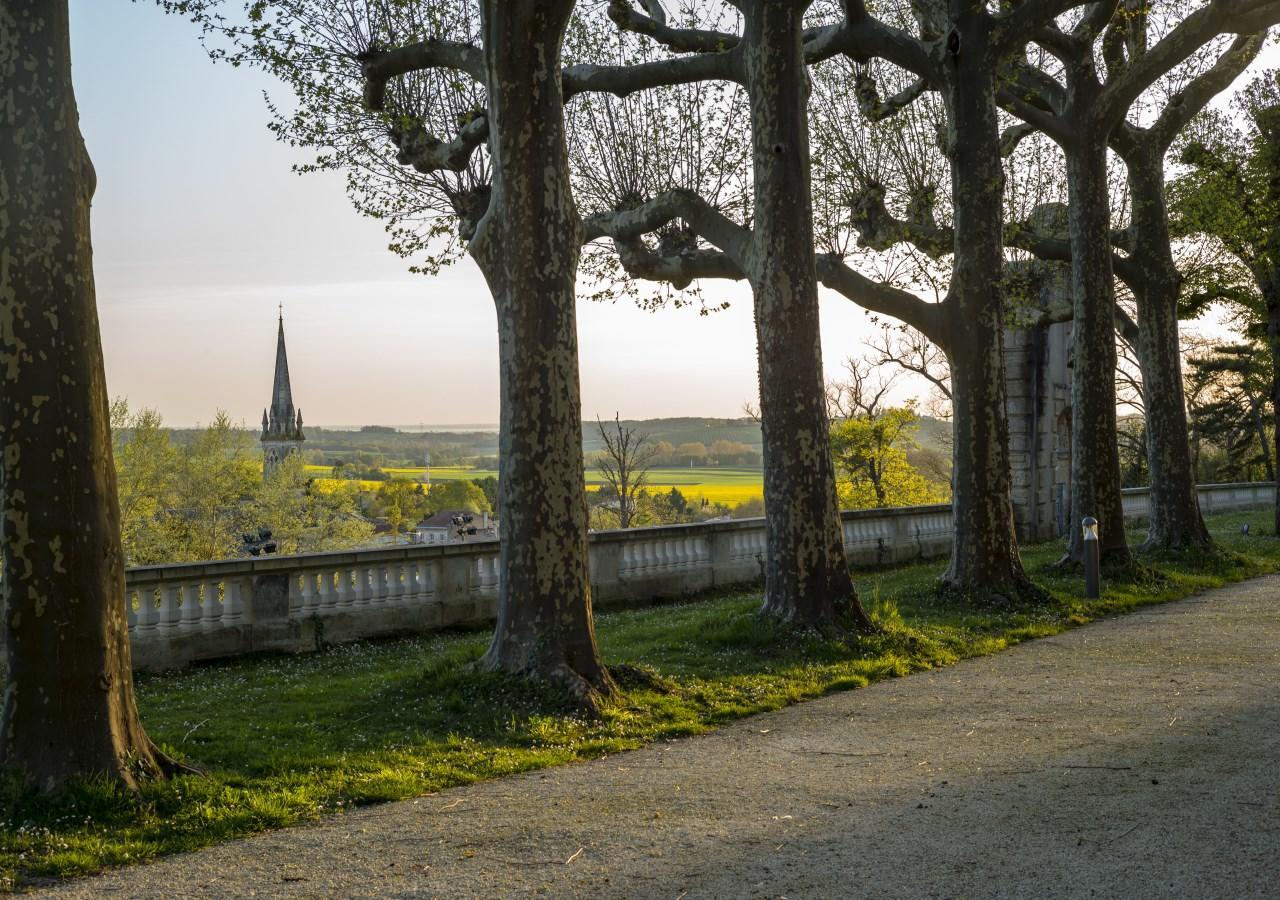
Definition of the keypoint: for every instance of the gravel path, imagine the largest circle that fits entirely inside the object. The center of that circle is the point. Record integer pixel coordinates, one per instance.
(1137, 757)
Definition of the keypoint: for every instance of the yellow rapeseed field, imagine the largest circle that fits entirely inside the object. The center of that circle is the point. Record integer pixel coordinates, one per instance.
(729, 486)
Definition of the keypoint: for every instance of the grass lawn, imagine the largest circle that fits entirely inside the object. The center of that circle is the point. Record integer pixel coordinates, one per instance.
(285, 739)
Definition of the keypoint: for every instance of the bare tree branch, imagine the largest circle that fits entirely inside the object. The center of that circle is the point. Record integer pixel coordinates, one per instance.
(1187, 103)
(380, 66)
(707, 222)
(882, 298)
(654, 25)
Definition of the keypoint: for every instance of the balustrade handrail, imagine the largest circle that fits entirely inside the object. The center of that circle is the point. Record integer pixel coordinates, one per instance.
(275, 564)
(181, 612)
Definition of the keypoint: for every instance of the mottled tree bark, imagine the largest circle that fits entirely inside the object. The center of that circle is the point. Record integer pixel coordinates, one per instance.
(68, 703)
(1095, 454)
(1176, 522)
(807, 580)
(527, 246)
(984, 556)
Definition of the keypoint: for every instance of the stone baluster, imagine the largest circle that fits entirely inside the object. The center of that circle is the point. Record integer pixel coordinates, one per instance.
(397, 577)
(190, 612)
(148, 612)
(417, 582)
(170, 607)
(307, 601)
(365, 587)
(327, 592)
(494, 574)
(370, 589)
(234, 597)
(297, 591)
(346, 589)
(398, 586)
(211, 617)
(380, 585)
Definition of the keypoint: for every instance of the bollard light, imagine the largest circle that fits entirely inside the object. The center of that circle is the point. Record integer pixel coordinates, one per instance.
(1092, 558)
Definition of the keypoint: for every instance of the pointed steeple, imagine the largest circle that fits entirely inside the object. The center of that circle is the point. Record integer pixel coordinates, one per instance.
(283, 414)
(281, 422)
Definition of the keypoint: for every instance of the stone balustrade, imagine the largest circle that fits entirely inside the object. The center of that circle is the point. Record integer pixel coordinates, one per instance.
(192, 611)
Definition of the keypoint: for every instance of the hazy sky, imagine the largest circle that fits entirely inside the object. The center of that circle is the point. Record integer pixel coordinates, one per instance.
(200, 230)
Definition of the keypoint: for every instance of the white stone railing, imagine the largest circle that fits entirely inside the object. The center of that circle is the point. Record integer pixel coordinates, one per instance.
(185, 612)
(1213, 498)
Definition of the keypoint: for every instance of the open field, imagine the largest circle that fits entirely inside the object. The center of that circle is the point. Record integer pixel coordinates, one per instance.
(287, 739)
(727, 485)
(730, 486)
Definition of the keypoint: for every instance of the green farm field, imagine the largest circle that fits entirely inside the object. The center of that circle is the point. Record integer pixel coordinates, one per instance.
(718, 485)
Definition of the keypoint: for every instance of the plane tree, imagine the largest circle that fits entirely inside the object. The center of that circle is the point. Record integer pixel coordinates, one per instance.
(809, 582)
(69, 709)
(375, 86)
(768, 242)
(1163, 294)
(956, 50)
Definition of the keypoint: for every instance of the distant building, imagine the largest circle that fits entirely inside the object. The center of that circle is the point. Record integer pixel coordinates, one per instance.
(455, 526)
(281, 423)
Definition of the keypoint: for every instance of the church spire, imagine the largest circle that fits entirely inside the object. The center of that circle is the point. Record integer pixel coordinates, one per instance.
(281, 422)
(283, 414)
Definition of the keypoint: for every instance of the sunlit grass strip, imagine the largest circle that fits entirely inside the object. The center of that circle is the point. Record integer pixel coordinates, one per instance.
(287, 739)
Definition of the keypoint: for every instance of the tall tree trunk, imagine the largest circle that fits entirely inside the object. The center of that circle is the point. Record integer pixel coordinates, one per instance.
(1095, 454)
(527, 246)
(1176, 522)
(1272, 297)
(807, 580)
(984, 555)
(68, 702)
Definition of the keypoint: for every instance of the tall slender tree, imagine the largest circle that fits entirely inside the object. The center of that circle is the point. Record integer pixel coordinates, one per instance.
(807, 580)
(69, 707)
(526, 242)
(1160, 298)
